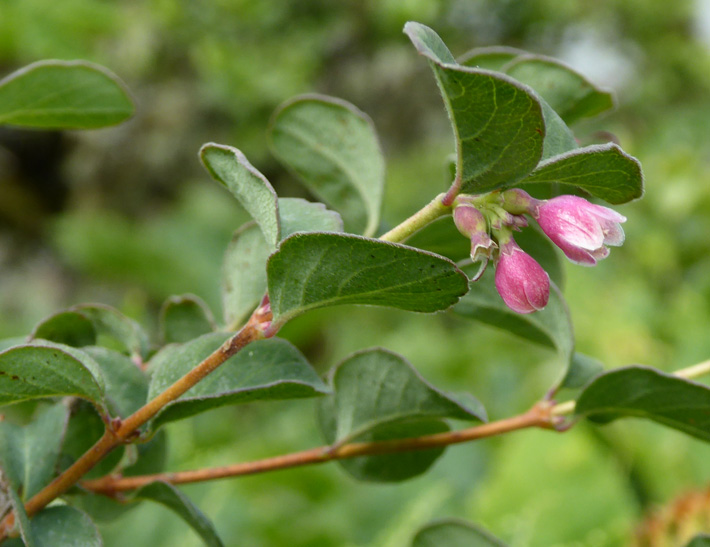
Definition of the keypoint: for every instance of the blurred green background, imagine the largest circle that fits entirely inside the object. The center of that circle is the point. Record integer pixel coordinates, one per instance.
(126, 216)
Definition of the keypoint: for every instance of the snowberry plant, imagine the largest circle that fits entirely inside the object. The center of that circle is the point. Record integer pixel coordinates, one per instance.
(522, 190)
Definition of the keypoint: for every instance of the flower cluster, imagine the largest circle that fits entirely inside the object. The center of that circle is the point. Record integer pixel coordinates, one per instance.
(582, 230)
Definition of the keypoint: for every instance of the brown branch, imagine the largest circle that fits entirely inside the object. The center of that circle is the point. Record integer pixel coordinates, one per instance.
(538, 416)
(125, 430)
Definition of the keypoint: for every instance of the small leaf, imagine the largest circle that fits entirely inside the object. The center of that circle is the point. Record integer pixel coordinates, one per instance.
(379, 395)
(454, 533)
(64, 525)
(84, 429)
(498, 124)
(558, 137)
(230, 167)
(183, 318)
(549, 327)
(64, 95)
(645, 392)
(48, 370)
(74, 326)
(314, 270)
(333, 148)
(29, 454)
(569, 93)
(176, 501)
(244, 269)
(126, 384)
(265, 370)
(23, 521)
(244, 274)
(581, 370)
(490, 58)
(605, 171)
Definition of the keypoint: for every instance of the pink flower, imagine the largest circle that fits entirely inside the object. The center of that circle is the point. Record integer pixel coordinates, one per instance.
(581, 229)
(521, 282)
(471, 223)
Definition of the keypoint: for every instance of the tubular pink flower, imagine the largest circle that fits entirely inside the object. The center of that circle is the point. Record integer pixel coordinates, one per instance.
(581, 229)
(521, 282)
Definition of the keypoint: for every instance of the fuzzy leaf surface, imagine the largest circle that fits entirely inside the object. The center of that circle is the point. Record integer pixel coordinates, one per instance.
(644, 392)
(498, 124)
(603, 170)
(319, 269)
(230, 167)
(333, 149)
(183, 318)
(265, 370)
(64, 95)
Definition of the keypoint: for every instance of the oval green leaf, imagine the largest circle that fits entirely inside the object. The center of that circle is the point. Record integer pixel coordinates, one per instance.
(644, 392)
(183, 318)
(498, 124)
(266, 370)
(230, 167)
(28, 454)
(64, 525)
(64, 95)
(378, 395)
(126, 384)
(603, 170)
(49, 370)
(314, 270)
(333, 149)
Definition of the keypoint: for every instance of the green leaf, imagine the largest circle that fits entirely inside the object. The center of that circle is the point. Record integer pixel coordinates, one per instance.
(23, 521)
(64, 525)
(84, 429)
(48, 370)
(645, 392)
(701, 540)
(605, 171)
(29, 454)
(126, 384)
(64, 94)
(498, 124)
(333, 148)
(379, 395)
(490, 58)
(244, 269)
(244, 274)
(230, 167)
(266, 370)
(454, 533)
(176, 501)
(314, 270)
(90, 324)
(8, 343)
(183, 318)
(569, 93)
(549, 327)
(581, 370)
(558, 137)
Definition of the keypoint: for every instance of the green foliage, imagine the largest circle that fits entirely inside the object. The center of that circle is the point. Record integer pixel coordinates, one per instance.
(267, 370)
(49, 370)
(183, 318)
(314, 270)
(379, 396)
(647, 393)
(126, 385)
(63, 94)
(63, 525)
(454, 533)
(333, 148)
(23, 521)
(173, 499)
(496, 145)
(28, 455)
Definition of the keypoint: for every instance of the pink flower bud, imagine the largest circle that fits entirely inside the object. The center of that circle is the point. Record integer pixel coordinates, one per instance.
(471, 223)
(581, 229)
(521, 282)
